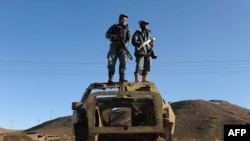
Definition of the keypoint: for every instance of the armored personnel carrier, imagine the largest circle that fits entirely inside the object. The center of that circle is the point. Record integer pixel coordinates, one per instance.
(126, 111)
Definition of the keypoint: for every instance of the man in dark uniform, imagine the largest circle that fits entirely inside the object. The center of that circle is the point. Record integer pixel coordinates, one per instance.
(143, 54)
(117, 33)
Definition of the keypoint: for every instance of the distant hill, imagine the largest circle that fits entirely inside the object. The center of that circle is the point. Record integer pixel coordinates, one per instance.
(204, 120)
(3, 131)
(196, 120)
(61, 127)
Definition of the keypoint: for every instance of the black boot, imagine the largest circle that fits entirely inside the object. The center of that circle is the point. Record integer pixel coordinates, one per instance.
(122, 78)
(111, 77)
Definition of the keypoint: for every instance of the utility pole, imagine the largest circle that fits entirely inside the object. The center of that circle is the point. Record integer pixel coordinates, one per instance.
(51, 114)
(12, 123)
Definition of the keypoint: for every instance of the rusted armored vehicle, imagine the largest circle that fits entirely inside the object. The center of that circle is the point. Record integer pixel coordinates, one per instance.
(126, 111)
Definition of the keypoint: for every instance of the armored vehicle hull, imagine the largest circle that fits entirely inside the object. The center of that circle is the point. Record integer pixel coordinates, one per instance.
(126, 111)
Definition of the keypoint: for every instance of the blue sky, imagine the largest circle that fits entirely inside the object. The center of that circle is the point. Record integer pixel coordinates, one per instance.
(51, 50)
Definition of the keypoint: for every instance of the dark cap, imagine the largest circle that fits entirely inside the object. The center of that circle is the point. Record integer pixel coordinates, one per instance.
(123, 15)
(143, 22)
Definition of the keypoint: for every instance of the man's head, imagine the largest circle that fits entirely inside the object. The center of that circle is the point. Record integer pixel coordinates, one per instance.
(143, 24)
(123, 19)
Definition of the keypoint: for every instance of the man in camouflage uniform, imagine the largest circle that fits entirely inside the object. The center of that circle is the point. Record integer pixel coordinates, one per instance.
(116, 51)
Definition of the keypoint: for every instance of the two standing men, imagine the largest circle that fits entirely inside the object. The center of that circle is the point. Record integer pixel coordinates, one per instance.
(120, 37)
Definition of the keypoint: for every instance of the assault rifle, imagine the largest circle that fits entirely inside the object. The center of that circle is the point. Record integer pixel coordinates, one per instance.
(151, 51)
(123, 45)
(122, 42)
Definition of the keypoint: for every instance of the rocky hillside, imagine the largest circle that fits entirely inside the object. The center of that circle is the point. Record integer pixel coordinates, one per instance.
(204, 120)
(59, 126)
(196, 120)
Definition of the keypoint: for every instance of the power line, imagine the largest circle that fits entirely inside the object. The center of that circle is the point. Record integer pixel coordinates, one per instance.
(94, 68)
(71, 63)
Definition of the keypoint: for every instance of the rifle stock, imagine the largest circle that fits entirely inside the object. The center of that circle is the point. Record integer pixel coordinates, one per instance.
(146, 42)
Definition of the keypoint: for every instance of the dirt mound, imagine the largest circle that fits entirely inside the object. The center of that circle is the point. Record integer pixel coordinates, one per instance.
(60, 127)
(204, 120)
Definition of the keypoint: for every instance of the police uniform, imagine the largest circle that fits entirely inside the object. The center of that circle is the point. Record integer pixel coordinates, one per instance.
(116, 51)
(143, 55)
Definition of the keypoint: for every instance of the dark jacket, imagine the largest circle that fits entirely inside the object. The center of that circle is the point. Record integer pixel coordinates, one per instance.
(138, 38)
(120, 30)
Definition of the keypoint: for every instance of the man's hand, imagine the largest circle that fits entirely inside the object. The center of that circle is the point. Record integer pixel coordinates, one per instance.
(151, 42)
(115, 37)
